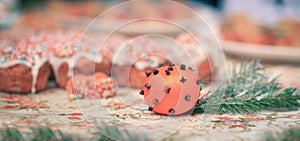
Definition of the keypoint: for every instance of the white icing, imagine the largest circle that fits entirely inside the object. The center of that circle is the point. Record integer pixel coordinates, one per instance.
(93, 58)
(196, 53)
(128, 52)
(38, 63)
(194, 49)
(144, 63)
(140, 65)
(35, 67)
(15, 62)
(56, 62)
(99, 59)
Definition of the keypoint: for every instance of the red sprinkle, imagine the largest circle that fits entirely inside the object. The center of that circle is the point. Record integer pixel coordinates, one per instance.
(234, 123)
(223, 117)
(10, 107)
(253, 118)
(74, 118)
(76, 114)
(117, 104)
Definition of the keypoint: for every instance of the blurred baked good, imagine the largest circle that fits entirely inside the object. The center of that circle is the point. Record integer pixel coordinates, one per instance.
(94, 86)
(24, 66)
(242, 28)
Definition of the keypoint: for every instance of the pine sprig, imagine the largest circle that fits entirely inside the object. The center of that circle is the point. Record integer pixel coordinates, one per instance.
(48, 134)
(36, 134)
(290, 134)
(11, 134)
(249, 89)
(114, 133)
(45, 133)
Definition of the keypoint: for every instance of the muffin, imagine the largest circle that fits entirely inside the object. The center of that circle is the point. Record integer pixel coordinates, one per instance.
(62, 48)
(196, 53)
(93, 57)
(73, 54)
(24, 66)
(32, 21)
(242, 28)
(94, 86)
(133, 59)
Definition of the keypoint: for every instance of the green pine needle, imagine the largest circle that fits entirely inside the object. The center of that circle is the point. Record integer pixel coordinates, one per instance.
(48, 134)
(115, 133)
(36, 134)
(290, 134)
(42, 134)
(249, 89)
(11, 134)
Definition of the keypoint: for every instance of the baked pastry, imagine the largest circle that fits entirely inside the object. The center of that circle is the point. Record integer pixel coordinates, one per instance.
(285, 33)
(241, 28)
(72, 54)
(133, 58)
(63, 47)
(32, 21)
(93, 57)
(74, 9)
(196, 53)
(94, 86)
(24, 66)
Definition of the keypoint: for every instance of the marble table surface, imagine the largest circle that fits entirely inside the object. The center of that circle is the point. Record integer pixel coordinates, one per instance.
(53, 108)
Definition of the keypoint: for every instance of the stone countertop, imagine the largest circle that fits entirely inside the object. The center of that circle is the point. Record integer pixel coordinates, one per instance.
(53, 108)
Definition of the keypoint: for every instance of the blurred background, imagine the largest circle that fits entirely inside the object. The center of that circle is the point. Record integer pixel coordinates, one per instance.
(266, 29)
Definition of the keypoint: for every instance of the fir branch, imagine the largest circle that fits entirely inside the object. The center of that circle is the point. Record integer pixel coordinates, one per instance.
(46, 133)
(290, 134)
(35, 134)
(11, 134)
(249, 89)
(114, 133)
